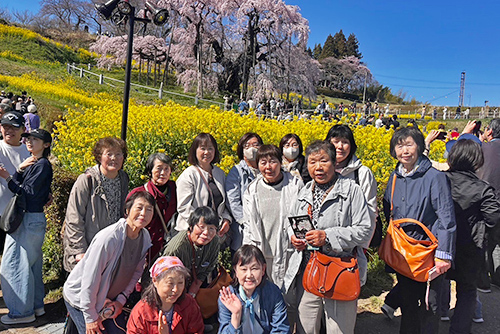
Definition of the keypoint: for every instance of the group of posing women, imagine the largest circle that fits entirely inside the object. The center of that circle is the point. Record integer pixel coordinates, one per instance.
(184, 224)
(168, 242)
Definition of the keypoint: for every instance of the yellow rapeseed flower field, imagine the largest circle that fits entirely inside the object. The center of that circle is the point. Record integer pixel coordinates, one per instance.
(171, 128)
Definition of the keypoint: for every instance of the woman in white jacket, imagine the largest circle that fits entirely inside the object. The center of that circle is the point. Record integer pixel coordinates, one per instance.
(202, 184)
(266, 205)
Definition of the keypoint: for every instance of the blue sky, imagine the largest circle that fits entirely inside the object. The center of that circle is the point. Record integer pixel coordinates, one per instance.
(418, 46)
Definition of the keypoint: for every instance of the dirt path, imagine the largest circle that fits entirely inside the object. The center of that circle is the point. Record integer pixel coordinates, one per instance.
(376, 323)
(367, 322)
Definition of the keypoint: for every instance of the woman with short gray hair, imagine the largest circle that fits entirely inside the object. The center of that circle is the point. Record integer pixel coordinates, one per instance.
(342, 225)
(158, 169)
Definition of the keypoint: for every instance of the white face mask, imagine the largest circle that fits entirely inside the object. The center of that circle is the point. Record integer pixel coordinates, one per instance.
(291, 153)
(250, 153)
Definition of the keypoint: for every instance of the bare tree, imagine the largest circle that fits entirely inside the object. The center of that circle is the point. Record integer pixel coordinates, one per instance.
(68, 13)
(5, 15)
(24, 18)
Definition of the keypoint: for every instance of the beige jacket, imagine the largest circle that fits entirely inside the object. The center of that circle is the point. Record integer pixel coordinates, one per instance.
(192, 193)
(87, 213)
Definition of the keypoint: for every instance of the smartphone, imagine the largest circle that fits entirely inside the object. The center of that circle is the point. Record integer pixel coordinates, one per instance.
(477, 128)
(441, 135)
(433, 274)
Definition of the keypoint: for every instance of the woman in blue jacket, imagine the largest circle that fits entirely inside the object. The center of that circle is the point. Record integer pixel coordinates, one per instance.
(237, 181)
(253, 304)
(422, 193)
(21, 269)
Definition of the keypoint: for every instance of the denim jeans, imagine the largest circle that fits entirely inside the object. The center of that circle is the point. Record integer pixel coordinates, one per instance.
(111, 326)
(21, 268)
(478, 311)
(77, 317)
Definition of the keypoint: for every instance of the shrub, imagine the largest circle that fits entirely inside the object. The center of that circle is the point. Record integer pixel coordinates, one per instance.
(337, 94)
(62, 183)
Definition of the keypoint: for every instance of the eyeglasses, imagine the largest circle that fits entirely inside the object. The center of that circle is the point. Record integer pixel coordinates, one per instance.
(206, 228)
(402, 145)
(248, 145)
(114, 155)
(294, 145)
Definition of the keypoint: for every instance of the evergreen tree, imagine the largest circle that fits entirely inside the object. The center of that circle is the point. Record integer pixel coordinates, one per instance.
(309, 52)
(328, 48)
(352, 47)
(339, 45)
(317, 51)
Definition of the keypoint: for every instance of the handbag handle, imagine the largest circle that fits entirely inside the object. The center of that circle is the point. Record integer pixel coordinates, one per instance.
(397, 223)
(408, 220)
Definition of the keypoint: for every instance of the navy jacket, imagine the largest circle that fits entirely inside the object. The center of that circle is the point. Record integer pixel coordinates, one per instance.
(426, 197)
(34, 183)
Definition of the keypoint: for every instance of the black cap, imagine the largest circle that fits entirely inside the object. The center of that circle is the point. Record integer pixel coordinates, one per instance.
(13, 118)
(39, 133)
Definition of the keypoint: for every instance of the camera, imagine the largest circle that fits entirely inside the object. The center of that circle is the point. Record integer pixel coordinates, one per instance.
(441, 135)
(107, 312)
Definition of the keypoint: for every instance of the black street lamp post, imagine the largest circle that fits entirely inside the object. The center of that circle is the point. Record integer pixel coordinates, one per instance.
(119, 11)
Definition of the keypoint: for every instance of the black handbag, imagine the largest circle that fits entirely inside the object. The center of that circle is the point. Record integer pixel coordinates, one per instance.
(13, 214)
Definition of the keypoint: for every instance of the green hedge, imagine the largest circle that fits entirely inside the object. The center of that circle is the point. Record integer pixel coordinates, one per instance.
(336, 94)
(52, 249)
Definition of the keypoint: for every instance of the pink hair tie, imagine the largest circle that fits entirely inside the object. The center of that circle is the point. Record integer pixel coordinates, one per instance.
(164, 263)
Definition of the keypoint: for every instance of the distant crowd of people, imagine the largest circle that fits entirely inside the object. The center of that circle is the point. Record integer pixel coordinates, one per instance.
(23, 104)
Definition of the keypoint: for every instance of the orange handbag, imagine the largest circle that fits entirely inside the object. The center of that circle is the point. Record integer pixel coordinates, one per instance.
(408, 256)
(207, 298)
(332, 277)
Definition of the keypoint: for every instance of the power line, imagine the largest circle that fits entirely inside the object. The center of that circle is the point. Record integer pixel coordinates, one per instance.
(419, 80)
(435, 81)
(440, 97)
(409, 86)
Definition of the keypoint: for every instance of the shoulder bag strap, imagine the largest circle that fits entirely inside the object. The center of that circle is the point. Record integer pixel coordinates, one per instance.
(193, 262)
(208, 187)
(158, 211)
(410, 220)
(392, 192)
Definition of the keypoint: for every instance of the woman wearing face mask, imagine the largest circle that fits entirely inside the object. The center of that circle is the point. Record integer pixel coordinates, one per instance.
(293, 159)
(237, 181)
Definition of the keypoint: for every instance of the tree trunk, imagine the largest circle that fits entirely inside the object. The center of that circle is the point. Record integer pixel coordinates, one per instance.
(199, 91)
(140, 68)
(155, 74)
(167, 59)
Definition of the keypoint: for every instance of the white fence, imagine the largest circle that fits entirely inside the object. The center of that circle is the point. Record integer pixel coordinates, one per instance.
(71, 68)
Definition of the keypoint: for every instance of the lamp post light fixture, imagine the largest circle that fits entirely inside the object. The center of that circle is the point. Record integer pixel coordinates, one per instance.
(119, 11)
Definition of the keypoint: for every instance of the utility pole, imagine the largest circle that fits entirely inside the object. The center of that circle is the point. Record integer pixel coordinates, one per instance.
(462, 90)
(364, 88)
